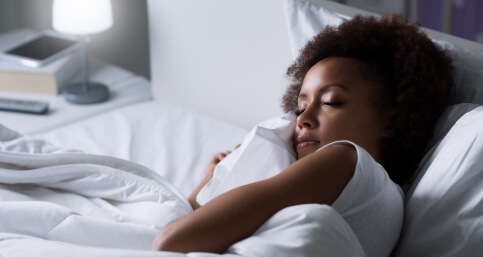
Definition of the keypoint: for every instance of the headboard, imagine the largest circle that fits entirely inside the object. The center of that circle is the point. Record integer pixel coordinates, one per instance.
(228, 58)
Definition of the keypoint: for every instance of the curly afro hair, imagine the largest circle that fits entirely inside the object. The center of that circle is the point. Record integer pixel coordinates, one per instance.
(411, 76)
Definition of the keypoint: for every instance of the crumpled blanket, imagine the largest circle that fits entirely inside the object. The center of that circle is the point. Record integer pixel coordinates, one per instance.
(55, 202)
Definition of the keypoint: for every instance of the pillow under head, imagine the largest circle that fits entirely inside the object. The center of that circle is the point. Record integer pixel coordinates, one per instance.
(444, 206)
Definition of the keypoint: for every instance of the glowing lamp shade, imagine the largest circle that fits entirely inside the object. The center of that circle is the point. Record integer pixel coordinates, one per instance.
(81, 17)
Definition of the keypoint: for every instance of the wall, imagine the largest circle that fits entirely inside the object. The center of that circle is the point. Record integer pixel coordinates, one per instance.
(467, 19)
(461, 18)
(8, 17)
(216, 56)
(126, 44)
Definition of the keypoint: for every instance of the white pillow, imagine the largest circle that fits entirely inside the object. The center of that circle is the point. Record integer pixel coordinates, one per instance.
(305, 20)
(444, 208)
(468, 73)
(264, 152)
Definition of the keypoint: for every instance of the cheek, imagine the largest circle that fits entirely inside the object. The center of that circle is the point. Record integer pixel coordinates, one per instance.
(331, 129)
(368, 125)
(339, 121)
(346, 126)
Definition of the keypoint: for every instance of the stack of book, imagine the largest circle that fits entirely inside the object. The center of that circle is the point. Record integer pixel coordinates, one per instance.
(47, 80)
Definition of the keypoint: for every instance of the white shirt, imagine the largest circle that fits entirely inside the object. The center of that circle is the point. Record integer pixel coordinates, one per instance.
(372, 204)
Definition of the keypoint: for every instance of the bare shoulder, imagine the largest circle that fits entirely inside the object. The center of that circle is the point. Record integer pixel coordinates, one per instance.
(343, 151)
(322, 175)
(333, 159)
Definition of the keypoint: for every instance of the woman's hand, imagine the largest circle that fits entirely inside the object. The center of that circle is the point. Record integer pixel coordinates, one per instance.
(217, 158)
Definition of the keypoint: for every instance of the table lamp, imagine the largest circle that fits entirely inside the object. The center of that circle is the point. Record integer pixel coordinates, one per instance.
(82, 18)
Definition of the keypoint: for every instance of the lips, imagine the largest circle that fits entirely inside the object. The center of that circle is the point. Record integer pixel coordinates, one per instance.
(305, 140)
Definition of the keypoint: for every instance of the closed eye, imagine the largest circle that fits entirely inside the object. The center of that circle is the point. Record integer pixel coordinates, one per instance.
(298, 112)
(333, 104)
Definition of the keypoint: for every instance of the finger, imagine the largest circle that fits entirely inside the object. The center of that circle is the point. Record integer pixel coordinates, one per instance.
(219, 156)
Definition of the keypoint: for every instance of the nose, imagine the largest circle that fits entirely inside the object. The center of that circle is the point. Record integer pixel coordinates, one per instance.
(307, 118)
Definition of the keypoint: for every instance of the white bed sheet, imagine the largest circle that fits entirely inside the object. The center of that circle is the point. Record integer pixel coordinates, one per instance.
(174, 141)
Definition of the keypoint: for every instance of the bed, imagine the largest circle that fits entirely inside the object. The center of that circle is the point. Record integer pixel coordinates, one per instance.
(208, 94)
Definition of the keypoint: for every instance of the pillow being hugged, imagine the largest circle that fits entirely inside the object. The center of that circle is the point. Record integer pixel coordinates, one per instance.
(264, 152)
(444, 208)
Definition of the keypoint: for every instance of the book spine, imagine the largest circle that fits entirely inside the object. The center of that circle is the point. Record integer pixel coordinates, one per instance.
(42, 83)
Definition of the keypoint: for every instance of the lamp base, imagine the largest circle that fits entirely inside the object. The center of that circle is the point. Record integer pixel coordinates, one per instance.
(95, 93)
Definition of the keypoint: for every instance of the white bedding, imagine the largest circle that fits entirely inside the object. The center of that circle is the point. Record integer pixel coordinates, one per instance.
(55, 201)
(173, 141)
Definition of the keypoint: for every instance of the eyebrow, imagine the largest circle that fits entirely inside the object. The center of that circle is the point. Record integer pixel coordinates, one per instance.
(324, 89)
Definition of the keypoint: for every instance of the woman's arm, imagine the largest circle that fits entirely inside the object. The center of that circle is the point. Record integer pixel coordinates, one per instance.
(318, 178)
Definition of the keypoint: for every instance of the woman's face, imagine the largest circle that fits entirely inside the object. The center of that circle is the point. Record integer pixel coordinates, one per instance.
(337, 103)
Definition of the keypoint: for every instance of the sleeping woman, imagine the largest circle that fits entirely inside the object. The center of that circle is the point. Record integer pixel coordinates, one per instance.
(367, 95)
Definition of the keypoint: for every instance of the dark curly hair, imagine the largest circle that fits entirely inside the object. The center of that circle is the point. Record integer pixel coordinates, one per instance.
(411, 75)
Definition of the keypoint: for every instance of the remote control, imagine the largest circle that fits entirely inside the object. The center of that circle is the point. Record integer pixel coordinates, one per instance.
(26, 106)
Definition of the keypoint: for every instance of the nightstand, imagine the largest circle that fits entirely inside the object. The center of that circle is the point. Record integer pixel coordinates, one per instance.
(125, 88)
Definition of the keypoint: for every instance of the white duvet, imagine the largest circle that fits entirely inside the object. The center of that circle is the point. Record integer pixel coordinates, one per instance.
(55, 202)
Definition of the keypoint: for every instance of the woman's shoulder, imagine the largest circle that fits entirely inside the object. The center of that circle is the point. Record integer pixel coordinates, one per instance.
(366, 170)
(343, 149)
(323, 174)
(361, 158)
(369, 179)
(345, 144)
(341, 156)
